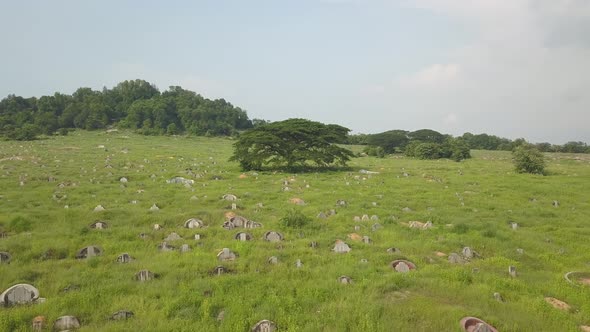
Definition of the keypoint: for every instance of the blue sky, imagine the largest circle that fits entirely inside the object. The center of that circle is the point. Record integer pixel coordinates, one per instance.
(517, 68)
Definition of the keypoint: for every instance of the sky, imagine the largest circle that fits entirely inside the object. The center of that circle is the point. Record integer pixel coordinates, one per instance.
(512, 68)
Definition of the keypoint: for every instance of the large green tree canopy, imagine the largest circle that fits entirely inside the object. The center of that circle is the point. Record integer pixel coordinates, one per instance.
(292, 143)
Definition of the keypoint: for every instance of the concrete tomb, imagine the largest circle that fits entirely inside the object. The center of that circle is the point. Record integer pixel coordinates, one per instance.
(341, 247)
(66, 323)
(273, 236)
(19, 294)
(193, 223)
(402, 265)
(265, 326)
(89, 251)
(124, 258)
(99, 224)
(243, 236)
(122, 315)
(226, 255)
(173, 237)
(144, 275)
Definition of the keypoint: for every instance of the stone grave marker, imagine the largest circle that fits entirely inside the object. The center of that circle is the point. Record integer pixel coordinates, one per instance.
(19, 294)
(154, 207)
(273, 260)
(38, 323)
(243, 236)
(345, 280)
(185, 248)
(99, 224)
(273, 236)
(219, 270)
(226, 255)
(402, 265)
(498, 297)
(144, 275)
(238, 221)
(298, 263)
(341, 247)
(122, 315)
(467, 253)
(99, 208)
(124, 258)
(228, 225)
(265, 326)
(193, 223)
(512, 271)
(173, 237)
(229, 197)
(89, 251)
(454, 258)
(4, 257)
(66, 323)
(165, 247)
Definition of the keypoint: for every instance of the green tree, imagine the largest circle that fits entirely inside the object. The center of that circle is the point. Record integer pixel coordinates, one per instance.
(291, 143)
(528, 159)
(390, 140)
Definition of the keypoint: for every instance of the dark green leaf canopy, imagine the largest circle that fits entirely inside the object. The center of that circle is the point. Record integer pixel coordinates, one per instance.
(293, 143)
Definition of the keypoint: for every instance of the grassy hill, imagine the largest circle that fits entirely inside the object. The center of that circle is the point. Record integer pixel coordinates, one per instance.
(470, 204)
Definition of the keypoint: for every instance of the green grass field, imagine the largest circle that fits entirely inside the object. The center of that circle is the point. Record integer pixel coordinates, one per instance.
(470, 203)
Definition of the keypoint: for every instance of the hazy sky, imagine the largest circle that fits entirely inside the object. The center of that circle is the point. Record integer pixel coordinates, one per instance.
(513, 68)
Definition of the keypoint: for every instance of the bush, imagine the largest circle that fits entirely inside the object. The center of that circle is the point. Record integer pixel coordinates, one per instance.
(528, 159)
(427, 151)
(295, 219)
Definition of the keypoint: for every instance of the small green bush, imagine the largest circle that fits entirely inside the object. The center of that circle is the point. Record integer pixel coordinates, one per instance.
(295, 219)
(528, 159)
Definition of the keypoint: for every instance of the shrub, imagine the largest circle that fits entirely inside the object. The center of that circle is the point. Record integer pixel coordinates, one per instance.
(427, 151)
(295, 219)
(528, 159)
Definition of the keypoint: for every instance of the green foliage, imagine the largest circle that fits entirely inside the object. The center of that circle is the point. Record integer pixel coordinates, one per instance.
(389, 141)
(374, 151)
(427, 151)
(291, 143)
(135, 104)
(427, 136)
(295, 219)
(19, 224)
(528, 159)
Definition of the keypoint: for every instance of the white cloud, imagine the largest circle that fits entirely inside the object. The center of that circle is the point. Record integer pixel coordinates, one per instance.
(526, 71)
(432, 76)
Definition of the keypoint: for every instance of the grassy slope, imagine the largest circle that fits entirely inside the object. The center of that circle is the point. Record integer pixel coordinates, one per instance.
(434, 297)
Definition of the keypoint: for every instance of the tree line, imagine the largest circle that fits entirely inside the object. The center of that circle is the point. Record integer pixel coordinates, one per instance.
(133, 104)
(393, 141)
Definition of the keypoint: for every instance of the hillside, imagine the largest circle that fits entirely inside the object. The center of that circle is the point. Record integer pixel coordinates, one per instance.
(50, 188)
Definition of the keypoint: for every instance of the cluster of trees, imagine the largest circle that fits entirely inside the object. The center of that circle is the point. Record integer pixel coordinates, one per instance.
(295, 144)
(134, 104)
(403, 141)
(423, 144)
(491, 142)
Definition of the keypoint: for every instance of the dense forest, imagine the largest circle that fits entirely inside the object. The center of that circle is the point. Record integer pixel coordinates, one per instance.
(136, 105)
